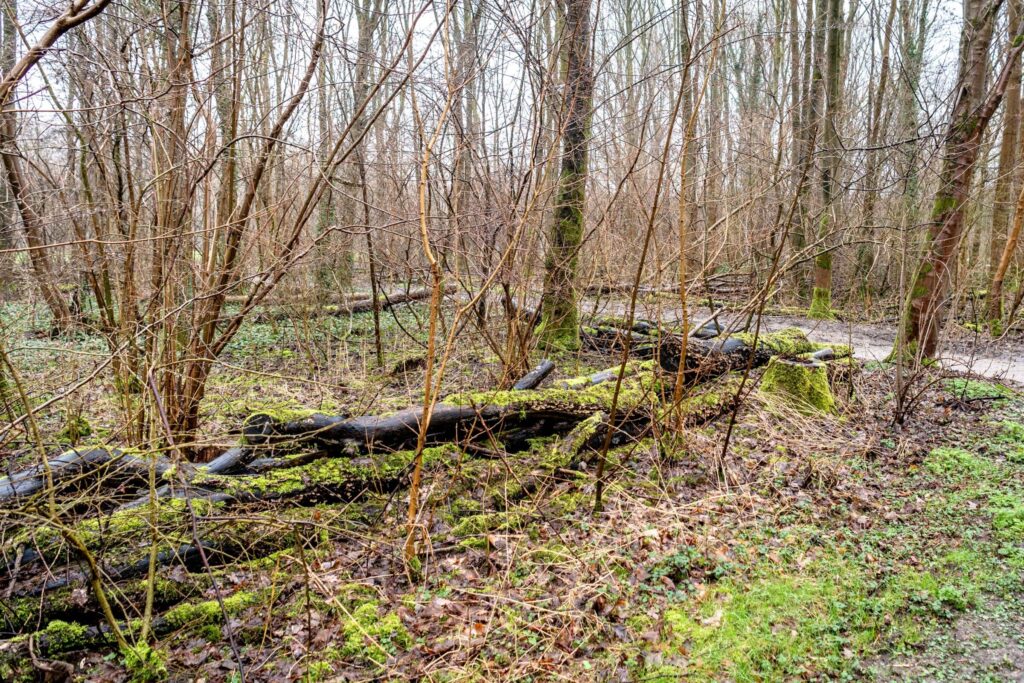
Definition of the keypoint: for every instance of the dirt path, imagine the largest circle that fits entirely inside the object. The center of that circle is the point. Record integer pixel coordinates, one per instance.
(1002, 359)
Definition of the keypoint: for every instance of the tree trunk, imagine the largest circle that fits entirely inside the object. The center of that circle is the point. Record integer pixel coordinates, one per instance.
(821, 295)
(1006, 182)
(973, 108)
(559, 314)
(8, 210)
(15, 185)
(866, 250)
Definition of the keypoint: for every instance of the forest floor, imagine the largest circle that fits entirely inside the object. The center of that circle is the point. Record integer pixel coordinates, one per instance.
(837, 547)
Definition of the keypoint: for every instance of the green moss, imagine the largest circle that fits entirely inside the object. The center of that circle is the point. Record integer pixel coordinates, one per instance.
(790, 341)
(637, 384)
(821, 304)
(977, 389)
(64, 636)
(145, 664)
(554, 553)
(477, 525)
(198, 614)
(124, 527)
(333, 472)
(944, 203)
(798, 385)
(562, 334)
(370, 638)
(74, 430)
(1007, 510)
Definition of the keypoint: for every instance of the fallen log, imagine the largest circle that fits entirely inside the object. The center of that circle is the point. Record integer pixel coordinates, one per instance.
(362, 305)
(77, 462)
(18, 657)
(458, 417)
(712, 358)
(580, 413)
(534, 377)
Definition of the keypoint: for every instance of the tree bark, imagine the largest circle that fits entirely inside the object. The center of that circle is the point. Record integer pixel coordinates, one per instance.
(559, 314)
(1008, 179)
(973, 108)
(821, 294)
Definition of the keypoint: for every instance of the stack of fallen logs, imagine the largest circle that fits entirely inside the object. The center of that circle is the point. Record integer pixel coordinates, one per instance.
(295, 461)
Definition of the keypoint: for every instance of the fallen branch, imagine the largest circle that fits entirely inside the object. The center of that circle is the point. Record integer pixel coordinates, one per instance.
(350, 307)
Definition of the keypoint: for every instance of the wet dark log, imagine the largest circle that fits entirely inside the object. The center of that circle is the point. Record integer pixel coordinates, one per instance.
(229, 460)
(534, 377)
(708, 330)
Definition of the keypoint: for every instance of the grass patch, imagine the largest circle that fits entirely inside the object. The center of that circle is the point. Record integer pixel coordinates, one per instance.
(974, 389)
(955, 463)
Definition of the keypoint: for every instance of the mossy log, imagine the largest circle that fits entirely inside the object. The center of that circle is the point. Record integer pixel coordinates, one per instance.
(121, 541)
(31, 612)
(708, 358)
(798, 383)
(458, 417)
(78, 465)
(59, 636)
(707, 355)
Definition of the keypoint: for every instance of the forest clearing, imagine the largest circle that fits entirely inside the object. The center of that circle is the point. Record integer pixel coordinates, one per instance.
(464, 340)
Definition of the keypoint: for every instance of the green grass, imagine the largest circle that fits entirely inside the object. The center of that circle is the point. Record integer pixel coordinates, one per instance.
(813, 600)
(955, 463)
(975, 389)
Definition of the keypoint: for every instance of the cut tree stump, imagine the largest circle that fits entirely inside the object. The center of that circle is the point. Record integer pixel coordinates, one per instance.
(798, 383)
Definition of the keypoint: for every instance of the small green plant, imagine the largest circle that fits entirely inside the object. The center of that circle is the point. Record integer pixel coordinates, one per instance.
(318, 671)
(955, 463)
(1007, 510)
(75, 429)
(974, 389)
(145, 664)
(369, 637)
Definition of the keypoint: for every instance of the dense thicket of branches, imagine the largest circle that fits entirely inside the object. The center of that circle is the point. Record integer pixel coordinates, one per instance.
(170, 168)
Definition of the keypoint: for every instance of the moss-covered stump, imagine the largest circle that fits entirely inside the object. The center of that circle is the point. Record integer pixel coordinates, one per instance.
(801, 384)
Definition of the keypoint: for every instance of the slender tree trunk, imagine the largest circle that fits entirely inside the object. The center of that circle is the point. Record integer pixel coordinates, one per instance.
(8, 209)
(811, 117)
(1007, 180)
(560, 317)
(31, 221)
(973, 108)
(821, 295)
(172, 216)
(866, 250)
